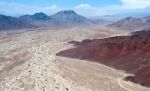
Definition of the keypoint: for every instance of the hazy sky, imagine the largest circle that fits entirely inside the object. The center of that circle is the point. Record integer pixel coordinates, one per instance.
(84, 7)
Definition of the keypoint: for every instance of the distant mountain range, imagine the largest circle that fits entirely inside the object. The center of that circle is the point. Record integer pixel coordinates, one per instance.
(67, 17)
(70, 18)
(62, 18)
(131, 23)
(7, 22)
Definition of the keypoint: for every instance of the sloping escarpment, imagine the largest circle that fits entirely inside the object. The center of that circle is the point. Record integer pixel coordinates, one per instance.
(129, 53)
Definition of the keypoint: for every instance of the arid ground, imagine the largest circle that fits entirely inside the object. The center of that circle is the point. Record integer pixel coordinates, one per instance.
(28, 62)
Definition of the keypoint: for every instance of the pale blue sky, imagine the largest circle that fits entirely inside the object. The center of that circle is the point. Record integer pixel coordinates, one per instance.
(83, 7)
(65, 3)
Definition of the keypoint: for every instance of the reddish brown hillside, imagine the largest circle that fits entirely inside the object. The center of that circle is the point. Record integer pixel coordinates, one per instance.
(129, 53)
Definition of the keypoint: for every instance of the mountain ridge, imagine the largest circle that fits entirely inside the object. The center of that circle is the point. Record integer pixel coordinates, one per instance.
(61, 18)
(132, 24)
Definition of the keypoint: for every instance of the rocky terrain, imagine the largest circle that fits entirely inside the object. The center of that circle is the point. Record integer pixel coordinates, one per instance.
(28, 62)
(129, 53)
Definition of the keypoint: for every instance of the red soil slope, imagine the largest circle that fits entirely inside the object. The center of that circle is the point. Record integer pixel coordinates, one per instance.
(129, 53)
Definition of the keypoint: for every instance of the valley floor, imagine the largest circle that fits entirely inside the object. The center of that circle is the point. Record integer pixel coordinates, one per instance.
(28, 62)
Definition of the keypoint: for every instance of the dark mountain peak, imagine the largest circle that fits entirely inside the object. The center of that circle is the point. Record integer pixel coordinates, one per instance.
(66, 12)
(39, 14)
(68, 17)
(130, 19)
(37, 17)
(4, 17)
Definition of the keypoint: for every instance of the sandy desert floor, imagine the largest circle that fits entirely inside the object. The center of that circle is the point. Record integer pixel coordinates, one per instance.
(28, 62)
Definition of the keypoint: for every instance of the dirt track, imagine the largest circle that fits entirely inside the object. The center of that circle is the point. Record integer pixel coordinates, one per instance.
(28, 63)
